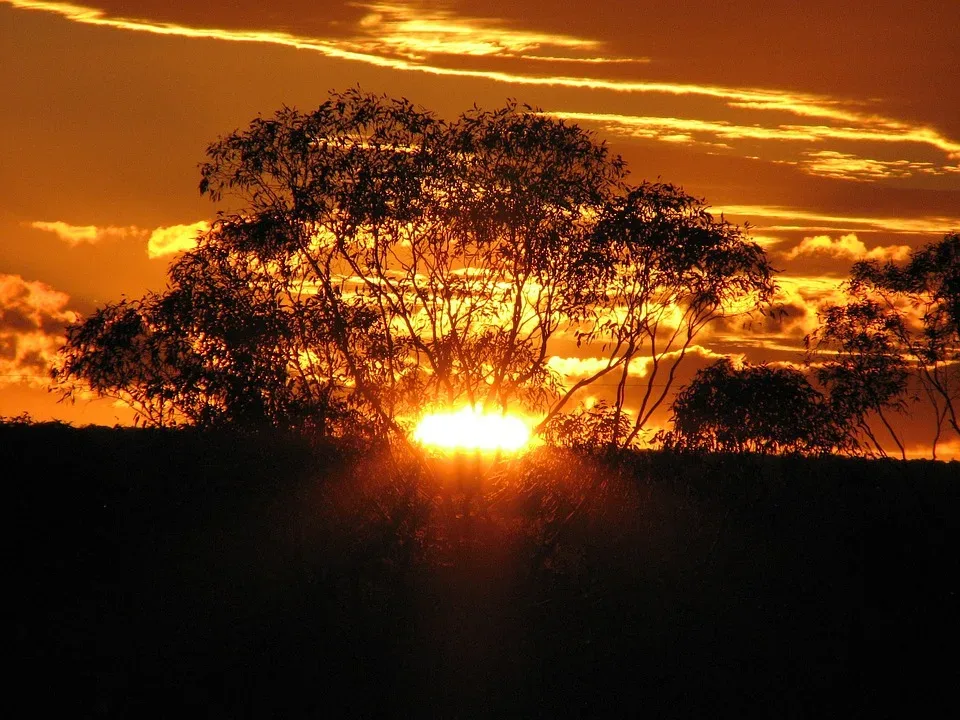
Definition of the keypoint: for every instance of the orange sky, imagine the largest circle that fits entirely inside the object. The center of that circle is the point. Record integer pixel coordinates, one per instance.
(831, 127)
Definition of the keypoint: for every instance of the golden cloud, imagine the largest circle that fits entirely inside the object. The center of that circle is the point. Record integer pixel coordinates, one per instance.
(948, 449)
(713, 132)
(176, 238)
(844, 166)
(795, 305)
(32, 320)
(581, 367)
(695, 357)
(789, 365)
(808, 220)
(846, 247)
(75, 235)
(417, 32)
(161, 241)
(379, 43)
(766, 241)
(805, 295)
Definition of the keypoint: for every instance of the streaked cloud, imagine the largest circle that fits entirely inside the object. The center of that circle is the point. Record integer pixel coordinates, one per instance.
(846, 166)
(809, 288)
(900, 172)
(800, 219)
(684, 129)
(581, 367)
(767, 242)
(161, 242)
(846, 247)
(75, 235)
(442, 33)
(721, 132)
(33, 317)
(417, 33)
(176, 238)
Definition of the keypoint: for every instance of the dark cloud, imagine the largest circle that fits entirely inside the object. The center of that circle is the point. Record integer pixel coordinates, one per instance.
(54, 324)
(34, 362)
(8, 347)
(16, 319)
(785, 319)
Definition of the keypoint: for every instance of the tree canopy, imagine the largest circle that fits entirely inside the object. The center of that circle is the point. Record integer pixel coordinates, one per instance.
(753, 408)
(371, 260)
(895, 341)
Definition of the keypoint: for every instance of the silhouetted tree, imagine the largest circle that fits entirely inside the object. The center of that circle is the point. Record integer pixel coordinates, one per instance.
(587, 428)
(663, 269)
(126, 351)
(857, 356)
(754, 408)
(376, 260)
(223, 345)
(901, 321)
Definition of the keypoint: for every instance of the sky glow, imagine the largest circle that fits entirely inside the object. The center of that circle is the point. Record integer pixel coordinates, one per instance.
(830, 128)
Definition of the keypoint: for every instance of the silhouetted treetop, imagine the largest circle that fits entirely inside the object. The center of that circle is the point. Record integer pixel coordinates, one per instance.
(753, 408)
(896, 341)
(371, 260)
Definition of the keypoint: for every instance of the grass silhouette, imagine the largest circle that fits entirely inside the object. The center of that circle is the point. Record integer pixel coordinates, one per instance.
(160, 571)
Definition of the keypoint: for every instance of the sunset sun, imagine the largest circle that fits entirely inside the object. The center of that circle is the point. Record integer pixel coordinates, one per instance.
(470, 428)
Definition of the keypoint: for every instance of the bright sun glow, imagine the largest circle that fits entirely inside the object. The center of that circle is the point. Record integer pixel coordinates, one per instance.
(472, 429)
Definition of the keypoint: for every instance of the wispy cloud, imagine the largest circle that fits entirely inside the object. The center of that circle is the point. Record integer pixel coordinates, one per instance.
(75, 235)
(846, 166)
(417, 33)
(713, 132)
(580, 367)
(765, 241)
(810, 220)
(161, 241)
(377, 41)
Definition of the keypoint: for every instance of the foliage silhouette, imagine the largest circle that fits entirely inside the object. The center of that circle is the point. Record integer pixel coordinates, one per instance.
(755, 408)
(664, 269)
(902, 322)
(587, 429)
(373, 260)
(865, 374)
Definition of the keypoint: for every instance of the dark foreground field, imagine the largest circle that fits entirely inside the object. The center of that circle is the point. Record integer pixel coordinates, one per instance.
(154, 573)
